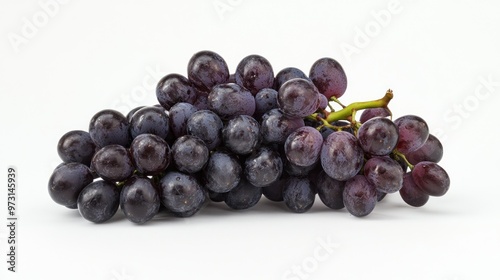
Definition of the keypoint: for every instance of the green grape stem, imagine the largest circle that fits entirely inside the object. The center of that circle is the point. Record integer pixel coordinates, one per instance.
(347, 112)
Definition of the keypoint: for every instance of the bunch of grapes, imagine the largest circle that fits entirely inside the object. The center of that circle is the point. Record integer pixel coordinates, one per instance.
(233, 138)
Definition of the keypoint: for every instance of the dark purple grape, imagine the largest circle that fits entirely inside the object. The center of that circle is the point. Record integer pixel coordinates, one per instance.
(298, 98)
(207, 69)
(378, 136)
(329, 77)
(303, 146)
(178, 117)
(181, 194)
(330, 191)
(150, 119)
(359, 196)
(384, 173)
(323, 102)
(222, 172)
(341, 156)
(150, 153)
(298, 194)
(265, 100)
(288, 74)
(175, 88)
(216, 197)
(67, 181)
(241, 134)
(275, 126)
(139, 200)
(297, 170)
(99, 201)
(243, 196)
(373, 113)
(413, 132)
(109, 127)
(190, 154)
(207, 126)
(432, 150)
(254, 73)
(274, 191)
(132, 112)
(231, 100)
(411, 194)
(76, 146)
(201, 102)
(264, 167)
(431, 178)
(113, 163)
(380, 195)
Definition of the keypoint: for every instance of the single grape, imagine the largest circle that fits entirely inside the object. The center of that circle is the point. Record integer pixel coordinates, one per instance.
(275, 126)
(222, 172)
(303, 146)
(298, 98)
(98, 202)
(413, 132)
(243, 196)
(132, 112)
(76, 146)
(264, 167)
(329, 77)
(207, 126)
(241, 134)
(150, 119)
(67, 181)
(323, 101)
(431, 178)
(330, 191)
(254, 73)
(265, 100)
(341, 156)
(189, 154)
(411, 194)
(298, 194)
(139, 200)
(373, 113)
(175, 88)
(109, 127)
(207, 69)
(432, 150)
(274, 191)
(178, 117)
(181, 194)
(378, 136)
(231, 100)
(359, 196)
(287, 74)
(384, 173)
(150, 153)
(113, 163)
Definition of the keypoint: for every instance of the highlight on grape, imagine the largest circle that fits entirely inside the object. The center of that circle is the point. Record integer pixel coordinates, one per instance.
(218, 136)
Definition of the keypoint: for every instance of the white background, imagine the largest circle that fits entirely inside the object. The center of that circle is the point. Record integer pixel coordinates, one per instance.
(61, 63)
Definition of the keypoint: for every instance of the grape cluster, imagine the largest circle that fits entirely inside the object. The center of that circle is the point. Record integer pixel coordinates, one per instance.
(233, 138)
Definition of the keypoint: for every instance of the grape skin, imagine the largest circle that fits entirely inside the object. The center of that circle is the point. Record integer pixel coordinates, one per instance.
(431, 178)
(288, 74)
(181, 194)
(330, 191)
(207, 126)
(303, 146)
(275, 126)
(411, 193)
(150, 119)
(254, 73)
(378, 136)
(243, 196)
(241, 134)
(98, 202)
(298, 194)
(67, 181)
(76, 146)
(207, 69)
(432, 150)
(109, 127)
(139, 200)
(373, 113)
(189, 154)
(265, 100)
(113, 163)
(150, 153)
(384, 173)
(178, 117)
(174, 88)
(360, 197)
(298, 98)
(222, 172)
(413, 132)
(329, 77)
(231, 100)
(264, 167)
(341, 156)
